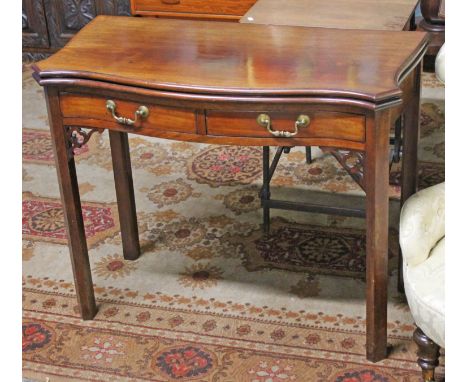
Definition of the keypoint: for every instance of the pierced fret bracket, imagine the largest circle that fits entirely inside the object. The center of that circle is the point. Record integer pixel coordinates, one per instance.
(78, 137)
(352, 162)
(396, 142)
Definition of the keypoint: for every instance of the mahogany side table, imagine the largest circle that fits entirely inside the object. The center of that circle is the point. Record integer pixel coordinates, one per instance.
(235, 84)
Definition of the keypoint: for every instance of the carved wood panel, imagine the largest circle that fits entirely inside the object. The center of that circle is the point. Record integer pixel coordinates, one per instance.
(66, 17)
(34, 24)
(34, 56)
(113, 7)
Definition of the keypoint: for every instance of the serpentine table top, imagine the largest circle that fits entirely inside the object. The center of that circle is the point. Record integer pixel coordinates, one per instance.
(236, 84)
(239, 60)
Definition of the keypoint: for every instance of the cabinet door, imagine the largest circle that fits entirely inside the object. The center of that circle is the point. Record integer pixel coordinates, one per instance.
(113, 7)
(34, 25)
(66, 17)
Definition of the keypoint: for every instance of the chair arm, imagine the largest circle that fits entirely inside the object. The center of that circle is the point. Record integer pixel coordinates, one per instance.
(422, 223)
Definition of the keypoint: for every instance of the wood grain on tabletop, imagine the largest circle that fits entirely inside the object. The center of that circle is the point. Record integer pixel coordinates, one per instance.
(216, 57)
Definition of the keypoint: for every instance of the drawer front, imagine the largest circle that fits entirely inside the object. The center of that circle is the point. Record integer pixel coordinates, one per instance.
(323, 124)
(213, 7)
(161, 118)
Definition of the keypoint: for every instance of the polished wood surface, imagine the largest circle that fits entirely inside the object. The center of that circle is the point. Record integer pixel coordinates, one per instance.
(225, 58)
(323, 124)
(79, 106)
(391, 15)
(215, 9)
(208, 82)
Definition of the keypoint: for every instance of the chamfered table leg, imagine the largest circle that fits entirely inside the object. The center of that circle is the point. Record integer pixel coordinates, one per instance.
(70, 194)
(377, 177)
(125, 194)
(409, 169)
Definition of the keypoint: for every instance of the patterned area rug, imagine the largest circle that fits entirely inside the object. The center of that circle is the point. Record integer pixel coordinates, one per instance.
(210, 299)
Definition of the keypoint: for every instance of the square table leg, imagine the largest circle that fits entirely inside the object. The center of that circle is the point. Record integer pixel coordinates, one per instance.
(71, 204)
(125, 194)
(377, 206)
(409, 170)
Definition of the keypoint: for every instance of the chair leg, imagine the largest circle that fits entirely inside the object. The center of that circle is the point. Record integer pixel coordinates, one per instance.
(428, 354)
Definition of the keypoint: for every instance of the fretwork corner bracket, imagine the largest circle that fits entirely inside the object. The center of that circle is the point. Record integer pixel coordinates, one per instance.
(78, 137)
(352, 162)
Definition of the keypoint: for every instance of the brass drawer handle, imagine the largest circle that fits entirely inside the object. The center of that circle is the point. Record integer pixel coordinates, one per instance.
(142, 112)
(170, 2)
(264, 120)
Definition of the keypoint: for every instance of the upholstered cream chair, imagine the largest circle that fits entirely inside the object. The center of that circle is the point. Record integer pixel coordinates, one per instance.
(440, 64)
(422, 241)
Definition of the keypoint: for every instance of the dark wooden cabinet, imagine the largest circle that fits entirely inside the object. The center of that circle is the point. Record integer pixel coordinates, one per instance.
(49, 24)
(34, 25)
(65, 18)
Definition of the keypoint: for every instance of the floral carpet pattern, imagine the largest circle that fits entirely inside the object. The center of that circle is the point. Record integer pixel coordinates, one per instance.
(210, 298)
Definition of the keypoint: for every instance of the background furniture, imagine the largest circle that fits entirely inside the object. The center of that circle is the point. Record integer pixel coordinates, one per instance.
(433, 22)
(49, 24)
(360, 14)
(422, 240)
(226, 10)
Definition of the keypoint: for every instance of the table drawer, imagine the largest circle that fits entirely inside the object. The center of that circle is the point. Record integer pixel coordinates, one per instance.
(323, 124)
(214, 7)
(159, 117)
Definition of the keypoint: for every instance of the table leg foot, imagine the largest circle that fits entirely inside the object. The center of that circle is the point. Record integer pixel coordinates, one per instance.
(125, 194)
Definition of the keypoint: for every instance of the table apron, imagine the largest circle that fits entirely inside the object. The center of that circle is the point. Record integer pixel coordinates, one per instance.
(333, 122)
